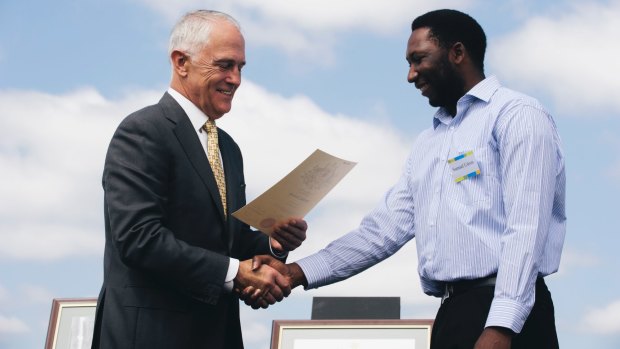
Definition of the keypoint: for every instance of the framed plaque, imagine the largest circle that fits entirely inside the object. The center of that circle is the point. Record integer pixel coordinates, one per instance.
(351, 334)
(71, 324)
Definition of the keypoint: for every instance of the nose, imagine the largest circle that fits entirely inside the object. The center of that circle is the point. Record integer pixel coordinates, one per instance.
(413, 74)
(234, 76)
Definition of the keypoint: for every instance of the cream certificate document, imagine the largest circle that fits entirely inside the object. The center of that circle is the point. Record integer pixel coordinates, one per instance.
(297, 193)
(403, 343)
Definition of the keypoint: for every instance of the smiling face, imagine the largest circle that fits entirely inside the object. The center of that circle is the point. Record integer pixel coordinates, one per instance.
(431, 70)
(213, 75)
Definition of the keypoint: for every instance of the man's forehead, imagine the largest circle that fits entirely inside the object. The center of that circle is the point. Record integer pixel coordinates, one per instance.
(421, 34)
(230, 47)
(421, 38)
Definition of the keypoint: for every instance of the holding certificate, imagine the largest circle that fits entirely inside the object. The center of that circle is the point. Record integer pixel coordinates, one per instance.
(297, 193)
(173, 254)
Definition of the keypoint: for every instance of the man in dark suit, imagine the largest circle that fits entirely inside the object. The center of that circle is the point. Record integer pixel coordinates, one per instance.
(173, 254)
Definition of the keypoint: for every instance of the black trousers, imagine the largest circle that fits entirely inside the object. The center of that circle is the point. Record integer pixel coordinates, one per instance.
(461, 319)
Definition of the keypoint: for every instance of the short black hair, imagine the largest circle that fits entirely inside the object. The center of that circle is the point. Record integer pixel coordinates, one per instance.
(450, 27)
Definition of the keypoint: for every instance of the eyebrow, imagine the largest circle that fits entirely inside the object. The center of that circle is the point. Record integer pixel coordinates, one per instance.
(229, 60)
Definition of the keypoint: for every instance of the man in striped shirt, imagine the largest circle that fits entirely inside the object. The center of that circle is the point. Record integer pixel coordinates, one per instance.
(482, 191)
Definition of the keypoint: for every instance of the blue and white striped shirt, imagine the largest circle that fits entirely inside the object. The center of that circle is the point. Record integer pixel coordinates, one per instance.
(509, 220)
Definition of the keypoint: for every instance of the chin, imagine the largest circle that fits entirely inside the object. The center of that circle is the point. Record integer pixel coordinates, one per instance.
(434, 103)
(221, 112)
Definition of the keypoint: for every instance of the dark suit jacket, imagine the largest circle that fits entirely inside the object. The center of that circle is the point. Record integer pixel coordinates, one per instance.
(167, 241)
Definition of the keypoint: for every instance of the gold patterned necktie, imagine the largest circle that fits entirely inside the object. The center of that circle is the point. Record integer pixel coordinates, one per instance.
(213, 154)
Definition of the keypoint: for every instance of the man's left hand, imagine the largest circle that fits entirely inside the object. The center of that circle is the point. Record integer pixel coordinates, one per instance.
(289, 234)
(494, 338)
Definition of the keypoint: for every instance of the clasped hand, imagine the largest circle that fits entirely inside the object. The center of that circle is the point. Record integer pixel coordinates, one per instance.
(265, 280)
(292, 273)
(266, 284)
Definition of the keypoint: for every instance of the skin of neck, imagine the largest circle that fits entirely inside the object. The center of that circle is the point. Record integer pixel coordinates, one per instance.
(470, 75)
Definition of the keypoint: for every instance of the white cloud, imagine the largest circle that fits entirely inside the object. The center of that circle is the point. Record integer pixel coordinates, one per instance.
(50, 241)
(573, 259)
(604, 320)
(571, 56)
(12, 325)
(308, 28)
(52, 149)
(276, 134)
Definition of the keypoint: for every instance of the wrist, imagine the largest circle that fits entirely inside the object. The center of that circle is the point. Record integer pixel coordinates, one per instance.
(501, 330)
(297, 276)
(277, 252)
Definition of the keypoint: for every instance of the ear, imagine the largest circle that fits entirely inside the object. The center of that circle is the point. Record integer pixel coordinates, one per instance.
(179, 62)
(457, 53)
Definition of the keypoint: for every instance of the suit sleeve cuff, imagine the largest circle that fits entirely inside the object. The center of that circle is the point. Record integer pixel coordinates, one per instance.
(233, 268)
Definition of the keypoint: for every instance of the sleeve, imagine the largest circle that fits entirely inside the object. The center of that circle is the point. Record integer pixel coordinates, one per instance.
(136, 186)
(380, 234)
(231, 274)
(530, 161)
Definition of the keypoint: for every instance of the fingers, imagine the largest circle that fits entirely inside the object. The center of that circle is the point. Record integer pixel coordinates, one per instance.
(270, 298)
(269, 261)
(257, 261)
(260, 303)
(263, 286)
(257, 298)
(283, 285)
(246, 294)
(296, 228)
(288, 241)
(290, 234)
(278, 286)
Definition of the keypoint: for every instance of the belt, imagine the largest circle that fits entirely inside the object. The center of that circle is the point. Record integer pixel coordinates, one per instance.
(462, 286)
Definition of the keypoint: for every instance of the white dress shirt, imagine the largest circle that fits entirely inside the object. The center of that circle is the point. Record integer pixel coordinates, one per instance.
(198, 119)
(507, 221)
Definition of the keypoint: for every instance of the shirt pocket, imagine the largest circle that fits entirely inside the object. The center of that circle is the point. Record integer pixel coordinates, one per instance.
(482, 188)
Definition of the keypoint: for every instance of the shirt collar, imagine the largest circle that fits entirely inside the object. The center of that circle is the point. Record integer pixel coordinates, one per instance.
(483, 91)
(195, 115)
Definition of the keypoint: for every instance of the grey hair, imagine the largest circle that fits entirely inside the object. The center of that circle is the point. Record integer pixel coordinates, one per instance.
(191, 33)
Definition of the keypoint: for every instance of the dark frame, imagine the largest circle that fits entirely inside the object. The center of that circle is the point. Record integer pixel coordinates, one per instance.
(284, 332)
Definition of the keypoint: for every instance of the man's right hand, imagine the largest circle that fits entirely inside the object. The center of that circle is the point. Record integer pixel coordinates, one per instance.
(267, 284)
(292, 272)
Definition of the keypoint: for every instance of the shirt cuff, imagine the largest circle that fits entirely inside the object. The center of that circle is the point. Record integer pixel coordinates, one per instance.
(277, 254)
(507, 313)
(233, 268)
(317, 271)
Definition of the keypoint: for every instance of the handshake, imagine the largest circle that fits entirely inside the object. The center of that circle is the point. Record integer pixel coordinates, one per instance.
(264, 280)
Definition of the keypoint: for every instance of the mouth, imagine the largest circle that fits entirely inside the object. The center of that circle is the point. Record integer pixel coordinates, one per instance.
(228, 93)
(423, 87)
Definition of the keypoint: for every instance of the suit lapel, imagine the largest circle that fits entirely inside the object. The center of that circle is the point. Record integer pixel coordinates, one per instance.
(186, 135)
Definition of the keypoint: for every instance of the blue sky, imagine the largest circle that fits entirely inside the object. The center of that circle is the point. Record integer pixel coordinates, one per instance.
(320, 74)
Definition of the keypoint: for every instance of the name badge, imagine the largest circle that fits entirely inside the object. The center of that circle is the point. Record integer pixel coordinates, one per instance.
(464, 166)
